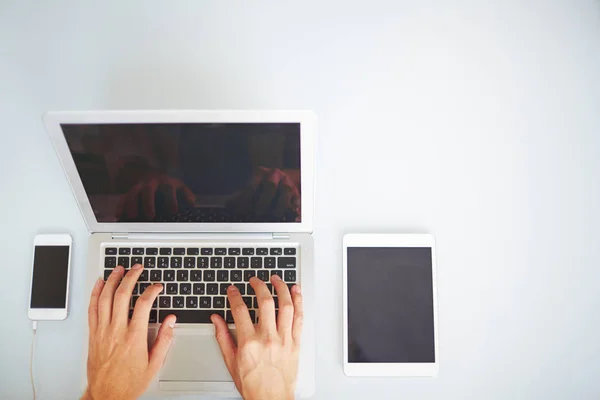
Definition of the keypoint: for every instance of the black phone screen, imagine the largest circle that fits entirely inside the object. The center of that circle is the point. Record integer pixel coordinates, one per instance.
(49, 281)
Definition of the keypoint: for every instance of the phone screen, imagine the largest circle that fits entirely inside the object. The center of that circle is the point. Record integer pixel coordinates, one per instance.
(50, 271)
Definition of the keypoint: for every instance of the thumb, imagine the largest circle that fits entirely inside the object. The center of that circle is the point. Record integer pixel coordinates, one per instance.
(161, 345)
(228, 347)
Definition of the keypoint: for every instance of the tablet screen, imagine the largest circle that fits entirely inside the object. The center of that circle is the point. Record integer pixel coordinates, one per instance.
(390, 305)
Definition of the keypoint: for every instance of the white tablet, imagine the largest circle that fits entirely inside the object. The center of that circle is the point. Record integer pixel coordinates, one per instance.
(390, 312)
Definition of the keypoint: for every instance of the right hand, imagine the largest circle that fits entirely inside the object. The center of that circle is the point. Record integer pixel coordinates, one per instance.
(264, 363)
(145, 194)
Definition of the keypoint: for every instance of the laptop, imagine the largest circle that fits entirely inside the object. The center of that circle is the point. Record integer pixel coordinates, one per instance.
(203, 199)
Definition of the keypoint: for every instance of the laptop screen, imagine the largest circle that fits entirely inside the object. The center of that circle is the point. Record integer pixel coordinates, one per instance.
(189, 172)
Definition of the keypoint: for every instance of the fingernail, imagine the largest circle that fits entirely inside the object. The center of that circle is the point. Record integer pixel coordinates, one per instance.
(276, 277)
(119, 268)
(136, 266)
(172, 323)
(297, 289)
(99, 282)
(231, 288)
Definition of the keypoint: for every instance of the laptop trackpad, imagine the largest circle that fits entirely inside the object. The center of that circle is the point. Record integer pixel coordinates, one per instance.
(194, 355)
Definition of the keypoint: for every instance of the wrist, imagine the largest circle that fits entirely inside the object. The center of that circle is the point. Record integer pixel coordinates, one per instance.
(86, 395)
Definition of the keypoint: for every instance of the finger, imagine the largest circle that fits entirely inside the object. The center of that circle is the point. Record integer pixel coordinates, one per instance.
(189, 196)
(285, 317)
(120, 213)
(161, 345)
(241, 316)
(141, 311)
(266, 194)
(149, 199)
(225, 341)
(266, 306)
(123, 294)
(132, 206)
(170, 195)
(244, 200)
(105, 302)
(283, 200)
(298, 313)
(93, 308)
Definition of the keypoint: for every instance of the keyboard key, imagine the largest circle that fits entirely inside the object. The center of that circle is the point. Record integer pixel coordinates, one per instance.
(156, 275)
(209, 276)
(250, 290)
(110, 262)
(234, 252)
(172, 288)
(153, 317)
(124, 251)
(107, 273)
(255, 301)
(219, 302)
(151, 251)
(143, 276)
(191, 302)
(236, 276)
(138, 251)
(222, 276)
(189, 262)
(190, 316)
(169, 275)
(289, 251)
(286, 262)
(229, 262)
(110, 251)
(134, 300)
(178, 302)
(165, 252)
(176, 262)
(185, 288)
(248, 301)
(263, 275)
(289, 276)
(179, 251)
(276, 300)
(278, 273)
(223, 288)
(220, 251)
(182, 275)
(143, 287)
(193, 251)
(216, 262)
(249, 274)
(163, 262)
(136, 260)
(149, 262)
(196, 276)
(248, 252)
(290, 286)
(276, 251)
(202, 262)
(262, 251)
(230, 320)
(199, 288)
(206, 252)
(123, 261)
(256, 262)
(205, 302)
(269, 262)
(241, 287)
(212, 288)
(270, 287)
(164, 301)
(243, 262)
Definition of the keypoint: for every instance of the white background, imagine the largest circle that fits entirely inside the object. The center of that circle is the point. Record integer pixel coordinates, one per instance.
(477, 121)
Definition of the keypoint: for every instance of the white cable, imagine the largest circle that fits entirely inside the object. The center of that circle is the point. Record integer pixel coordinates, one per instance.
(31, 360)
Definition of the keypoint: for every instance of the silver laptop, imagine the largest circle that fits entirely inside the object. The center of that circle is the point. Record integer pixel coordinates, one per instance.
(203, 199)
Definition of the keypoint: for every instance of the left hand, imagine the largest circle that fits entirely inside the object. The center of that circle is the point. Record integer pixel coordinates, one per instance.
(119, 364)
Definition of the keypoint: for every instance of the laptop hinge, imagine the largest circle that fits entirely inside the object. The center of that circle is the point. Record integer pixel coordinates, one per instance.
(281, 236)
(120, 236)
(197, 236)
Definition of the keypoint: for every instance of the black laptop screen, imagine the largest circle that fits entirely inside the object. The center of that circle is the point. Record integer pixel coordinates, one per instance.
(189, 172)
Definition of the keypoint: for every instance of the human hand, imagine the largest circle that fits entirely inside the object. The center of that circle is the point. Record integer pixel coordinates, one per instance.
(264, 363)
(119, 364)
(146, 193)
(270, 194)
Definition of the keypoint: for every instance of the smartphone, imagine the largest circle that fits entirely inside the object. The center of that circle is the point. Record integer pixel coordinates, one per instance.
(48, 298)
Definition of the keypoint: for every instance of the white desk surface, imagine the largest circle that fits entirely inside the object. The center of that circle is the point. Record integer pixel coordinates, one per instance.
(478, 122)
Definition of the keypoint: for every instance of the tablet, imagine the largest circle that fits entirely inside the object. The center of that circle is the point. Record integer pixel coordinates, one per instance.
(390, 312)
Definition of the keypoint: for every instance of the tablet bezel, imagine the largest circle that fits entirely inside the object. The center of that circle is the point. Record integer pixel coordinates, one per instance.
(389, 369)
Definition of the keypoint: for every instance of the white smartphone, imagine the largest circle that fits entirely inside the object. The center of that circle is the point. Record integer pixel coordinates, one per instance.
(390, 312)
(49, 293)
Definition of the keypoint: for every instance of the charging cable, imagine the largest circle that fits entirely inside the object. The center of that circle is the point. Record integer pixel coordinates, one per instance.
(31, 359)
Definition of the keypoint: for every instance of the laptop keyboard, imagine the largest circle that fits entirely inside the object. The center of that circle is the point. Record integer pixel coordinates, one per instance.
(196, 279)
